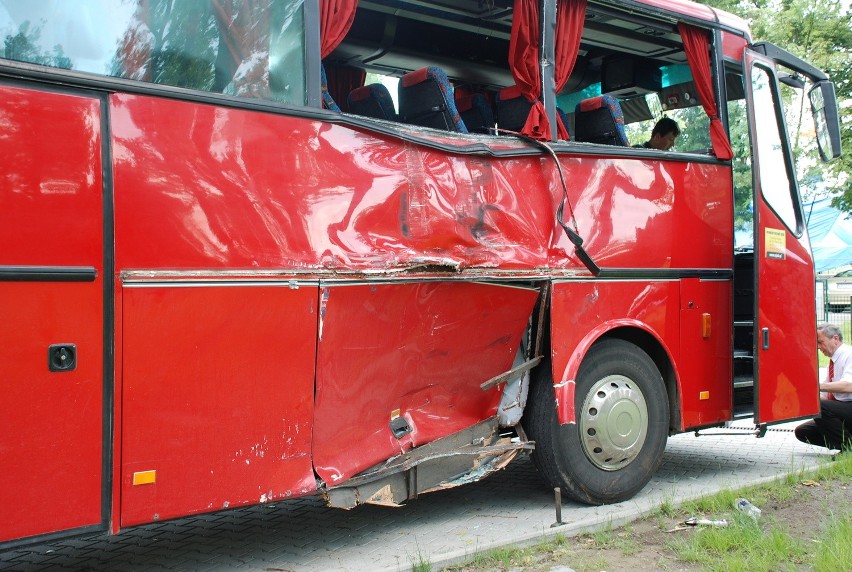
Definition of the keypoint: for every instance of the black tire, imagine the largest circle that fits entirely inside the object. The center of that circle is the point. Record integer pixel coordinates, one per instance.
(622, 409)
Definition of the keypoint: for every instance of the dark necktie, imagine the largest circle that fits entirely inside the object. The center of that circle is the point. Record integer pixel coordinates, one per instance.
(831, 377)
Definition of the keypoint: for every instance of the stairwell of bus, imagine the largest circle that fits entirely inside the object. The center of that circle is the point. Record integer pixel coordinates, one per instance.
(744, 308)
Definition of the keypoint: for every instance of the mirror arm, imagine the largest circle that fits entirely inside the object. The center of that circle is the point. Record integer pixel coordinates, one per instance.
(790, 61)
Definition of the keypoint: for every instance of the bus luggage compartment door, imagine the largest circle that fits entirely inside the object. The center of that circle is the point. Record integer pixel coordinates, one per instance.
(51, 304)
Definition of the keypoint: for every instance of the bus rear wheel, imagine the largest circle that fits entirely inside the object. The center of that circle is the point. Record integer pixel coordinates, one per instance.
(622, 415)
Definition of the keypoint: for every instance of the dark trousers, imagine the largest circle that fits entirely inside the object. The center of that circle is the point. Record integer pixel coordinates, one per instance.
(833, 429)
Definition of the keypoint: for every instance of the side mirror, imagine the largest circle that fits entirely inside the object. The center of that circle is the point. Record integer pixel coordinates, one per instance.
(826, 119)
(792, 80)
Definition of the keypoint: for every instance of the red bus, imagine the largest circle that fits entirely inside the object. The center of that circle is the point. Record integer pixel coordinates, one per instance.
(236, 267)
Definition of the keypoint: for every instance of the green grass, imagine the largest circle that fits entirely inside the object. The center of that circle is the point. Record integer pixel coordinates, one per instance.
(419, 562)
(744, 545)
(835, 552)
(757, 545)
(507, 557)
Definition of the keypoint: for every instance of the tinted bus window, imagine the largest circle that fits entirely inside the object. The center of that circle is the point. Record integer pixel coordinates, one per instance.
(248, 49)
(776, 185)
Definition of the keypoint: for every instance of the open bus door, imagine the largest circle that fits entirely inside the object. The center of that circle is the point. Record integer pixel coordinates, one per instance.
(52, 308)
(784, 334)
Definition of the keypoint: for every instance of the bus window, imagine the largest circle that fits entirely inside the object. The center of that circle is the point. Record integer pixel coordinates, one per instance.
(640, 61)
(676, 99)
(743, 182)
(253, 50)
(776, 186)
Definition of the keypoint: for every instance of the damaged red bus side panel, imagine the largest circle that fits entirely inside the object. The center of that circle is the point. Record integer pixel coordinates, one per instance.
(244, 260)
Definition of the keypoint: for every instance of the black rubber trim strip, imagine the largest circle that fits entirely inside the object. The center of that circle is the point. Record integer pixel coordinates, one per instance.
(108, 376)
(48, 273)
(86, 530)
(659, 273)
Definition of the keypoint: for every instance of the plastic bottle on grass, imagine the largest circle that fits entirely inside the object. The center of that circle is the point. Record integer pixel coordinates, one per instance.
(746, 507)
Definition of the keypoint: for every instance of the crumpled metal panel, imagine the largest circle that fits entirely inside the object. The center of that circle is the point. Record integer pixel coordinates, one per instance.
(218, 188)
(416, 350)
(464, 457)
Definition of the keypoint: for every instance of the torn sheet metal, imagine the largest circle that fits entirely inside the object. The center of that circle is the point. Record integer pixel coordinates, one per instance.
(404, 350)
(463, 457)
(514, 396)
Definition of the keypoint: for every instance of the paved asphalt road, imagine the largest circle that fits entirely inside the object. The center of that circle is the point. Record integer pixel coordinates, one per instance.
(510, 507)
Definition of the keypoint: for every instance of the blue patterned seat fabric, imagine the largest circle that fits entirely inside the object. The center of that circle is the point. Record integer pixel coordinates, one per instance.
(600, 120)
(426, 98)
(327, 100)
(512, 108)
(372, 100)
(475, 111)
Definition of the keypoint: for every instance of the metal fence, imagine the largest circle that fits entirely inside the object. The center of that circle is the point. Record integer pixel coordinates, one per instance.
(836, 312)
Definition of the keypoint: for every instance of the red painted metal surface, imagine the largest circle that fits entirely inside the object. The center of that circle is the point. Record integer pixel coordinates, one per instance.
(51, 176)
(584, 310)
(419, 351)
(51, 215)
(786, 381)
(220, 193)
(235, 381)
(705, 364)
(733, 46)
(217, 397)
(670, 312)
(216, 188)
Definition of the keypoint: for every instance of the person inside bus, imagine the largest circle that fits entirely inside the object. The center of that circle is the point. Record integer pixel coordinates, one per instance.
(663, 135)
(833, 429)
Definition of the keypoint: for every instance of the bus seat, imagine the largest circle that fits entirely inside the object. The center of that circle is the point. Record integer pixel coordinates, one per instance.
(426, 98)
(372, 100)
(327, 101)
(475, 111)
(512, 108)
(600, 120)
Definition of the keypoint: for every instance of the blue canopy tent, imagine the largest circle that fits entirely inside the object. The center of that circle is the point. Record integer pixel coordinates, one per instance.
(830, 231)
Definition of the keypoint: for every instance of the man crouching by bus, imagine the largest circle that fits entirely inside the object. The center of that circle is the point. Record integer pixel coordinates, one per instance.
(833, 429)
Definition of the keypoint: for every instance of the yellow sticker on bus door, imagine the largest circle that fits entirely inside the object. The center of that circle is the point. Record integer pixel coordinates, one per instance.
(775, 242)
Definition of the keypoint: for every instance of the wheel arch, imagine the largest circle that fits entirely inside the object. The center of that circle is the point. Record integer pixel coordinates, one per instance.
(661, 357)
(635, 333)
(586, 458)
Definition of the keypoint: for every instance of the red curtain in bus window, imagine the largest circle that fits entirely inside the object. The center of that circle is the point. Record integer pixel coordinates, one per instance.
(342, 80)
(570, 17)
(697, 48)
(524, 64)
(335, 20)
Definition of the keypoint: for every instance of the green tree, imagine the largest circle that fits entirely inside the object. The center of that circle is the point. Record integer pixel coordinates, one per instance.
(25, 47)
(820, 32)
(171, 43)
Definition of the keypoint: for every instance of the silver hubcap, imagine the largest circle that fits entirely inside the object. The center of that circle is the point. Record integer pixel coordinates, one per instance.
(613, 422)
